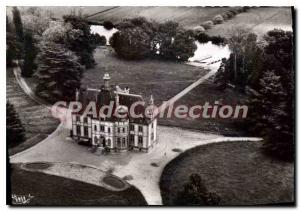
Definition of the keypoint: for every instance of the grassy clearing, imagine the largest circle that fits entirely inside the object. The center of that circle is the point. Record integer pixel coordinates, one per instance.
(36, 119)
(237, 171)
(259, 20)
(162, 79)
(58, 191)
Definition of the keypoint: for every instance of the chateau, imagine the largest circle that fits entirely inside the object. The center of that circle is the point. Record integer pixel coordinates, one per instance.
(114, 133)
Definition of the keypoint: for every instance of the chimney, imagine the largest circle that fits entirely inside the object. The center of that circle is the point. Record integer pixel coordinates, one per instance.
(117, 100)
(106, 79)
(77, 95)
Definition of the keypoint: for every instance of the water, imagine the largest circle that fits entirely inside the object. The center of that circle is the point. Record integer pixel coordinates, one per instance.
(103, 32)
(209, 55)
(205, 55)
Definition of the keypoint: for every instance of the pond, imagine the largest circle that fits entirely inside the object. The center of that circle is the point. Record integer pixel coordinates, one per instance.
(207, 55)
(103, 32)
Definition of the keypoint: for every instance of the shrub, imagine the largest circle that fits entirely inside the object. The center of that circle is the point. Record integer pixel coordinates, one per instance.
(207, 25)
(202, 38)
(108, 25)
(199, 30)
(218, 40)
(195, 193)
(245, 8)
(218, 19)
(230, 14)
(225, 16)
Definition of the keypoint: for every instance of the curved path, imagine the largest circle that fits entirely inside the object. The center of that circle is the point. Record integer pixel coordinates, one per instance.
(140, 166)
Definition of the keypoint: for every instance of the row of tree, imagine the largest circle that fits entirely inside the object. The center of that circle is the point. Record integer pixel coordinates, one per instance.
(265, 69)
(139, 38)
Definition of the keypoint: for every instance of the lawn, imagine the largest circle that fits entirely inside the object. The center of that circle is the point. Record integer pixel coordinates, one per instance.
(162, 79)
(57, 191)
(36, 119)
(259, 20)
(207, 92)
(237, 171)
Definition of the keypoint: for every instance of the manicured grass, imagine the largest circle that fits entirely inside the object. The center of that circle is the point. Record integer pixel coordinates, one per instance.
(207, 92)
(57, 191)
(259, 20)
(237, 171)
(36, 119)
(162, 79)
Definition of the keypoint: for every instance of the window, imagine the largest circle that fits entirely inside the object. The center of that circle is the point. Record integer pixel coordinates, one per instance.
(118, 142)
(95, 127)
(131, 127)
(152, 136)
(140, 129)
(140, 140)
(123, 129)
(152, 125)
(78, 118)
(78, 130)
(108, 142)
(101, 128)
(131, 138)
(108, 130)
(123, 142)
(85, 119)
(86, 131)
(118, 130)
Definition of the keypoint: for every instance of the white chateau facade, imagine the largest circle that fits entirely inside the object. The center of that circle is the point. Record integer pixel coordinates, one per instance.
(114, 133)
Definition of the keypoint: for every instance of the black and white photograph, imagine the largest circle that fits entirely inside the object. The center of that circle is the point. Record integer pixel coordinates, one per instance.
(150, 105)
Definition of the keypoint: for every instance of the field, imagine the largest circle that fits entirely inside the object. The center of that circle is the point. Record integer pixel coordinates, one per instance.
(188, 17)
(58, 191)
(259, 20)
(238, 172)
(36, 119)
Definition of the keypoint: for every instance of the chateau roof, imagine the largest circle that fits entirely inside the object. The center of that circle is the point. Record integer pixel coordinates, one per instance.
(104, 96)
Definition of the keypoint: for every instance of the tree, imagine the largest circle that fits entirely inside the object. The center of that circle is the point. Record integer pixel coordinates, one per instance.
(245, 64)
(18, 29)
(108, 25)
(99, 40)
(84, 45)
(15, 133)
(270, 116)
(58, 73)
(181, 47)
(132, 43)
(30, 53)
(18, 23)
(175, 42)
(12, 46)
(273, 110)
(195, 193)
